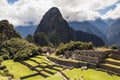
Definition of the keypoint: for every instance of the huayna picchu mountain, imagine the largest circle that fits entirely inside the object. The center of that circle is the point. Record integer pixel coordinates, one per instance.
(58, 30)
(7, 31)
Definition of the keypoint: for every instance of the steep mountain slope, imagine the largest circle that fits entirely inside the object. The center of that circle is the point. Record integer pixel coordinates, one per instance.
(100, 24)
(88, 27)
(7, 31)
(113, 33)
(25, 30)
(58, 30)
(110, 21)
(54, 26)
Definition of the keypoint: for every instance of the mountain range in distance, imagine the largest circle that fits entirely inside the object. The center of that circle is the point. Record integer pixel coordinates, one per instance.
(108, 30)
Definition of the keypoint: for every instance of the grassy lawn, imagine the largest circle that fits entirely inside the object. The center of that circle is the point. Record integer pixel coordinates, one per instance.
(54, 77)
(17, 69)
(89, 74)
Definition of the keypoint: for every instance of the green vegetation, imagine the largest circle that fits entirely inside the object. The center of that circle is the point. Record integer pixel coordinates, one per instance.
(73, 46)
(30, 38)
(113, 47)
(17, 49)
(114, 66)
(41, 39)
(113, 60)
(7, 31)
(54, 77)
(89, 74)
(21, 70)
(17, 69)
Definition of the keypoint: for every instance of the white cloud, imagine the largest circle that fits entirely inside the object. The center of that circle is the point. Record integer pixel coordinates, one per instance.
(113, 14)
(24, 11)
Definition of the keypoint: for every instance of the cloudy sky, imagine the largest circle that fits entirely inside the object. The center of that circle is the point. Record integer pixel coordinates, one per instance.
(25, 12)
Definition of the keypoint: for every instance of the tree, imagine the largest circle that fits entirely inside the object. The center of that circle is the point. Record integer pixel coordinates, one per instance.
(17, 49)
(113, 47)
(73, 46)
(30, 38)
(41, 39)
(7, 31)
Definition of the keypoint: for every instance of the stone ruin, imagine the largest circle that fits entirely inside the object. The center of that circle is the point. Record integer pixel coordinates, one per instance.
(91, 56)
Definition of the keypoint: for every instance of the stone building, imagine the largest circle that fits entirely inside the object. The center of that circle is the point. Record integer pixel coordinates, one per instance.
(87, 55)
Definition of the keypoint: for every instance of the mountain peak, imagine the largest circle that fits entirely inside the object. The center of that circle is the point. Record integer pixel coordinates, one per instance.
(53, 13)
(54, 9)
(58, 31)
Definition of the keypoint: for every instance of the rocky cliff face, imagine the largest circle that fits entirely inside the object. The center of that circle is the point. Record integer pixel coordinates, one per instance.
(58, 30)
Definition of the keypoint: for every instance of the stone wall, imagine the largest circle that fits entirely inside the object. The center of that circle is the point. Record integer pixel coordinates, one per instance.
(91, 56)
(72, 63)
(111, 62)
(115, 52)
(110, 68)
(87, 59)
(115, 56)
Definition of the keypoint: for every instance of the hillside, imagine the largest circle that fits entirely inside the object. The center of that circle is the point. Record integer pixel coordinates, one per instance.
(97, 27)
(113, 33)
(58, 30)
(7, 31)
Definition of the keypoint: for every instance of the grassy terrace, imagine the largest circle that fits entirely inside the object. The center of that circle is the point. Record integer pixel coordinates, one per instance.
(47, 68)
(17, 69)
(39, 63)
(54, 77)
(3, 78)
(114, 66)
(89, 74)
(113, 60)
(56, 57)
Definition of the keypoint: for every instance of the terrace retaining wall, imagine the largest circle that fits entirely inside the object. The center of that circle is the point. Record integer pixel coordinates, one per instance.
(111, 62)
(115, 56)
(72, 63)
(110, 68)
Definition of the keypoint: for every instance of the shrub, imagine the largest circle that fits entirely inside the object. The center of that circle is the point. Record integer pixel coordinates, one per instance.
(17, 48)
(113, 47)
(73, 46)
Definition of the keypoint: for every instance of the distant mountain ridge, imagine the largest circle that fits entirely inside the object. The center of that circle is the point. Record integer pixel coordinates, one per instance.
(58, 30)
(25, 30)
(91, 27)
(113, 33)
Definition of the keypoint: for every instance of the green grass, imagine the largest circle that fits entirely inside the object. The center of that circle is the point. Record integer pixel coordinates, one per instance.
(38, 77)
(51, 70)
(56, 57)
(31, 63)
(114, 66)
(17, 69)
(54, 77)
(3, 78)
(113, 60)
(89, 74)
